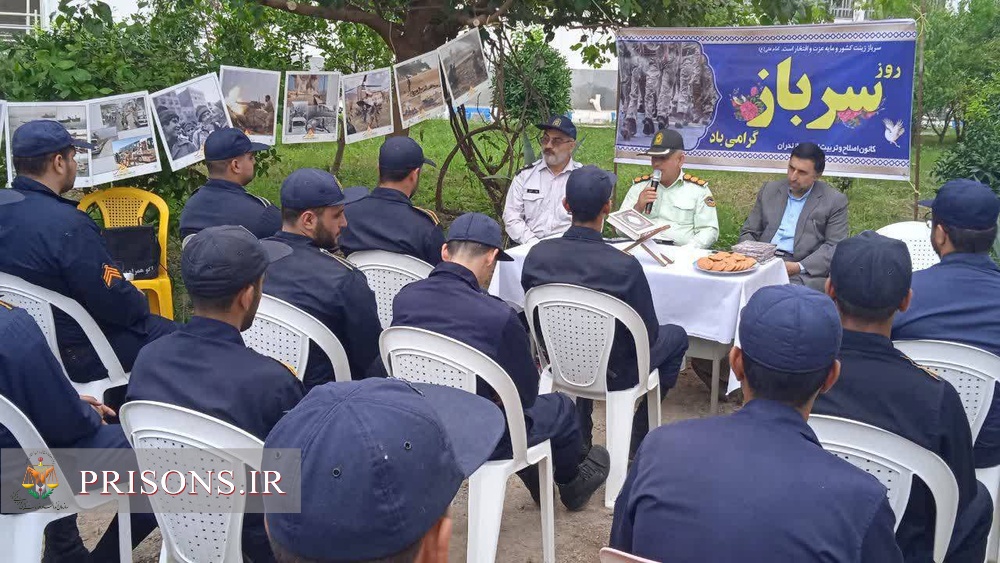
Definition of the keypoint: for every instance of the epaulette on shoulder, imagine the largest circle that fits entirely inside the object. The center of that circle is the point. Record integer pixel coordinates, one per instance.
(695, 180)
(6, 305)
(289, 367)
(642, 178)
(927, 371)
(347, 264)
(433, 216)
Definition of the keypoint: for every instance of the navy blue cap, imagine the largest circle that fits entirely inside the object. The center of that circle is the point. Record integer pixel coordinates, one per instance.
(871, 271)
(42, 137)
(588, 188)
(382, 459)
(559, 123)
(476, 227)
(308, 188)
(965, 204)
(219, 261)
(223, 144)
(401, 153)
(791, 329)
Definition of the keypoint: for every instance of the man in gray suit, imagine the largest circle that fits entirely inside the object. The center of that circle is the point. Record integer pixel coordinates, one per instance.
(804, 216)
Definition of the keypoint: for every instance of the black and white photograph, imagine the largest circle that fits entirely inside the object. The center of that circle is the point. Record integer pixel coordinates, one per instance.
(186, 114)
(115, 122)
(464, 65)
(251, 98)
(663, 85)
(72, 115)
(419, 89)
(367, 105)
(311, 103)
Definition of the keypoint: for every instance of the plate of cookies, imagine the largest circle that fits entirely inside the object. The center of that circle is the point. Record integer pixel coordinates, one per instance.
(726, 263)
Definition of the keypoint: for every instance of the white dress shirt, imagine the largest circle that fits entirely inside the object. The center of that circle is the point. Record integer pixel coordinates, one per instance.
(534, 207)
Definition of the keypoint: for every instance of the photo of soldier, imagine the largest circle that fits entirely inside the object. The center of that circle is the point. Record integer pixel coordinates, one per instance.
(250, 95)
(367, 105)
(419, 89)
(187, 114)
(465, 66)
(120, 121)
(311, 100)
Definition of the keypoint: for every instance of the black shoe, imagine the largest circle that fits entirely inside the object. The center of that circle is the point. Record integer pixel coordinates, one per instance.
(592, 474)
(529, 476)
(662, 123)
(647, 126)
(629, 130)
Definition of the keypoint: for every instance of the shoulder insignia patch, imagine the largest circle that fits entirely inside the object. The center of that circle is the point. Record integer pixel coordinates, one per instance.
(710, 201)
(701, 182)
(433, 216)
(927, 371)
(289, 367)
(347, 264)
(637, 179)
(263, 201)
(110, 274)
(6, 305)
(687, 177)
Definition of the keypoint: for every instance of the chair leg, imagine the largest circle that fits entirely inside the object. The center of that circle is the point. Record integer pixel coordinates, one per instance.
(545, 483)
(124, 531)
(654, 408)
(990, 476)
(487, 490)
(620, 411)
(28, 534)
(713, 407)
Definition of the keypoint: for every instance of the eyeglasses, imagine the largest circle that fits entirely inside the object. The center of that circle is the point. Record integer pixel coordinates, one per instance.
(556, 142)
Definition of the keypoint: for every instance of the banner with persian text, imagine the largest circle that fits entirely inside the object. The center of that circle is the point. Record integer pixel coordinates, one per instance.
(742, 98)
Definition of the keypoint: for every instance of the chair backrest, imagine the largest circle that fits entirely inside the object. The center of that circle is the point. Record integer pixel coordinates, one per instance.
(917, 236)
(38, 302)
(156, 431)
(419, 355)
(125, 207)
(972, 371)
(609, 555)
(894, 461)
(283, 331)
(387, 273)
(578, 329)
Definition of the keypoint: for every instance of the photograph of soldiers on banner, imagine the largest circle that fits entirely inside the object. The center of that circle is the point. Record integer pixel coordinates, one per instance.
(311, 104)
(186, 114)
(251, 100)
(418, 88)
(664, 84)
(72, 115)
(367, 105)
(464, 64)
(120, 122)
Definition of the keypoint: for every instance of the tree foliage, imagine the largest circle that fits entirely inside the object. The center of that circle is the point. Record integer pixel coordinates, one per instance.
(978, 156)
(535, 81)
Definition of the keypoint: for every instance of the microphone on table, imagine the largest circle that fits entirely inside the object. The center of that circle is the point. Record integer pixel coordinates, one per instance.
(655, 183)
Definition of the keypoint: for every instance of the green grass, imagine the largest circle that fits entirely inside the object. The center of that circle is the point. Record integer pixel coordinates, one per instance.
(873, 203)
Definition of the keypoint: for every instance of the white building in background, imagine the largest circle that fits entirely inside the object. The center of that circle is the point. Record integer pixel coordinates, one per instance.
(18, 16)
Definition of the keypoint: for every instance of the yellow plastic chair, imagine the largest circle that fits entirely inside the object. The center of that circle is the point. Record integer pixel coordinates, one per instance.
(125, 207)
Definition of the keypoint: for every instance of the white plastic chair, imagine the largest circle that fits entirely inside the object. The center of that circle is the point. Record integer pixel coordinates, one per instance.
(422, 356)
(283, 331)
(387, 273)
(21, 535)
(38, 302)
(609, 555)
(578, 330)
(917, 236)
(894, 461)
(156, 431)
(974, 373)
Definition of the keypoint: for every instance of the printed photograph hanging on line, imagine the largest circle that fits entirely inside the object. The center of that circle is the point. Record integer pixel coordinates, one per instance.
(251, 98)
(72, 115)
(122, 129)
(186, 114)
(367, 105)
(311, 100)
(419, 90)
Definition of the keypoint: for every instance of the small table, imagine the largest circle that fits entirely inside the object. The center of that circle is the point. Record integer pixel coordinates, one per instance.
(706, 306)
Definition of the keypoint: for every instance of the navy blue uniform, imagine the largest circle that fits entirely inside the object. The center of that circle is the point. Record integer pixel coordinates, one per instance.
(958, 301)
(47, 241)
(752, 486)
(880, 386)
(489, 325)
(581, 257)
(335, 292)
(387, 220)
(221, 202)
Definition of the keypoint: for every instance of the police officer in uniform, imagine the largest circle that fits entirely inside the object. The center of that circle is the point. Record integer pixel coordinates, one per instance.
(309, 276)
(387, 219)
(206, 366)
(869, 281)
(958, 299)
(682, 201)
(581, 257)
(489, 325)
(32, 379)
(223, 200)
(47, 241)
(795, 501)
(533, 209)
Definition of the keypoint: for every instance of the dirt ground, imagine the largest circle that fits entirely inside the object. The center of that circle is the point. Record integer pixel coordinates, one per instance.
(579, 535)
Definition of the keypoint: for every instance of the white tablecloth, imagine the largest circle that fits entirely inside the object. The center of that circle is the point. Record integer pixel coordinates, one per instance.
(705, 305)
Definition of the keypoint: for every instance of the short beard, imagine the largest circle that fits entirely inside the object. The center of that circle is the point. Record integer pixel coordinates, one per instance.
(554, 159)
(324, 238)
